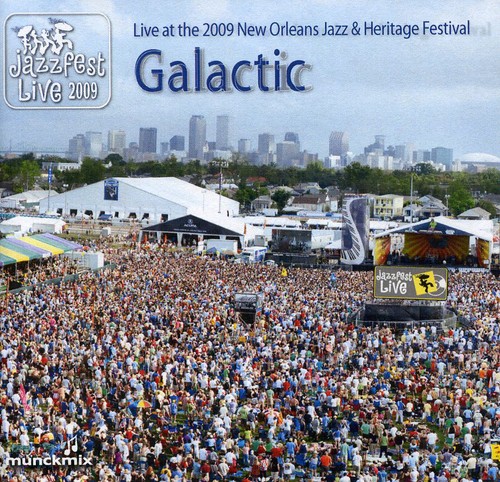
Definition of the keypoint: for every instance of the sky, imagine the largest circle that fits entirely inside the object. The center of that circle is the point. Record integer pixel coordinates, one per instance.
(426, 90)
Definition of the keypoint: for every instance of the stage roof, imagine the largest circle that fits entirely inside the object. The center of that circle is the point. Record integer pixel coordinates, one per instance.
(443, 225)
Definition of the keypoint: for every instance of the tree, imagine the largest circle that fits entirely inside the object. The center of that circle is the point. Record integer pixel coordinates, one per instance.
(424, 168)
(460, 197)
(115, 159)
(281, 197)
(92, 171)
(28, 172)
(356, 177)
(245, 195)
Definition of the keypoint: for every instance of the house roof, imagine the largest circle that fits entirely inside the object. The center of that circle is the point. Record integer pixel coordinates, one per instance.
(309, 199)
(477, 212)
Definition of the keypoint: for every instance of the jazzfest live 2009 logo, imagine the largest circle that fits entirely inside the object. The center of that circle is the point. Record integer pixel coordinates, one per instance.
(57, 61)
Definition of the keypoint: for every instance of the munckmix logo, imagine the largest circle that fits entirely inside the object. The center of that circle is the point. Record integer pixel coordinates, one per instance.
(70, 457)
(57, 62)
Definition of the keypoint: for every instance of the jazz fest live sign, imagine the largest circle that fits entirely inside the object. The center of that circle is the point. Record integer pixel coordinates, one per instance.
(410, 283)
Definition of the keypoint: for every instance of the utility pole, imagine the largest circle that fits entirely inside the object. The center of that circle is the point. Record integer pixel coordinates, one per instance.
(222, 163)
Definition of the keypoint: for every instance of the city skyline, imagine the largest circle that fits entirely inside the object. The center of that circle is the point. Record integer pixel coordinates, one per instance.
(429, 91)
(272, 141)
(267, 149)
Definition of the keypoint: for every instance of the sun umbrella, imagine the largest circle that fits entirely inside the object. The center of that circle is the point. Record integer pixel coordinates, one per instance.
(144, 404)
(63, 26)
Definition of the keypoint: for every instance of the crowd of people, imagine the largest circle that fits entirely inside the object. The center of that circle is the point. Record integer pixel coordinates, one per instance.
(145, 372)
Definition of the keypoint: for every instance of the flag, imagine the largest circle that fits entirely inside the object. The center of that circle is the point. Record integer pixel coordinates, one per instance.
(24, 398)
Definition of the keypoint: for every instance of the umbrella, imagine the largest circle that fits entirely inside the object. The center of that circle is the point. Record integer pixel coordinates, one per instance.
(24, 31)
(144, 404)
(63, 26)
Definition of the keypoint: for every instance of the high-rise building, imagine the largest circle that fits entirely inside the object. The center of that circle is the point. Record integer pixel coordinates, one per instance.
(400, 152)
(380, 141)
(222, 133)
(442, 155)
(292, 137)
(131, 153)
(117, 142)
(177, 143)
(164, 148)
(286, 152)
(421, 155)
(339, 144)
(93, 144)
(147, 139)
(197, 137)
(244, 146)
(76, 147)
(266, 144)
(377, 148)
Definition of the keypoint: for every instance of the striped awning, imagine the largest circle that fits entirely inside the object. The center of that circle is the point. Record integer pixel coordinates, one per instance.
(13, 250)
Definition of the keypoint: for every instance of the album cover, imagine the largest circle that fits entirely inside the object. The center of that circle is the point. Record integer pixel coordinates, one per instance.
(147, 80)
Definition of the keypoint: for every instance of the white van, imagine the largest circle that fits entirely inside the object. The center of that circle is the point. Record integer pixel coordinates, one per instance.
(254, 254)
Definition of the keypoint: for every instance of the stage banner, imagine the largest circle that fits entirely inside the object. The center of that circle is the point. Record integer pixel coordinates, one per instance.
(111, 190)
(436, 245)
(483, 253)
(382, 250)
(410, 283)
(355, 230)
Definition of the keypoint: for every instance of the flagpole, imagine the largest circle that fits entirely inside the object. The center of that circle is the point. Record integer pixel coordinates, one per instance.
(50, 187)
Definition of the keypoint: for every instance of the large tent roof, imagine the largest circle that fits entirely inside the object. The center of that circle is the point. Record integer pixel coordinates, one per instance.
(173, 189)
(27, 248)
(443, 225)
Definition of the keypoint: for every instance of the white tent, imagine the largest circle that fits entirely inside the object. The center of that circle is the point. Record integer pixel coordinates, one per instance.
(154, 199)
(27, 224)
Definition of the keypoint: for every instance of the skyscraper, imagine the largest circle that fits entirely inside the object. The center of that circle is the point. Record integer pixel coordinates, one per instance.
(339, 144)
(244, 146)
(117, 141)
(93, 144)
(266, 144)
(286, 152)
(76, 147)
(147, 139)
(380, 141)
(442, 155)
(292, 137)
(222, 133)
(177, 143)
(197, 137)
(164, 148)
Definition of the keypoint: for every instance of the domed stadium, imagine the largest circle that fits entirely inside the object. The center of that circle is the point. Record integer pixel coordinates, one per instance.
(480, 160)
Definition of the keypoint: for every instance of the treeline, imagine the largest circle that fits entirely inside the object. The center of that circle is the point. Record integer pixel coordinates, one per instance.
(459, 189)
